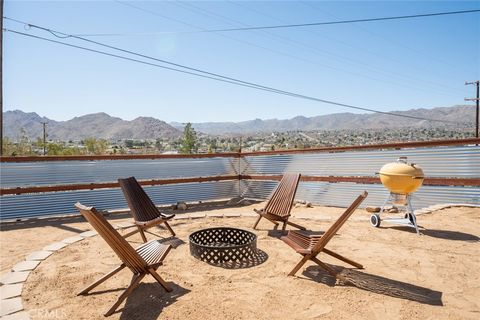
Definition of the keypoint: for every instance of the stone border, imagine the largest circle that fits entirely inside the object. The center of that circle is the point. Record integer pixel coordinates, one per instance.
(11, 306)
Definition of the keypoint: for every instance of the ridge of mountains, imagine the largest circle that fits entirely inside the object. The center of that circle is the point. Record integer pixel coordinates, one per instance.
(343, 121)
(102, 125)
(98, 125)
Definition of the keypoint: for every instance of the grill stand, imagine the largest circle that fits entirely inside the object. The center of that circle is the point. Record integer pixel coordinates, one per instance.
(410, 219)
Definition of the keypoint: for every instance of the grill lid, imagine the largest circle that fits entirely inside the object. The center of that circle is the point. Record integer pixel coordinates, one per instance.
(401, 177)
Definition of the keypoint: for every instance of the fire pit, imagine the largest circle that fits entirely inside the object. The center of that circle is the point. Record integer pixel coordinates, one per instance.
(221, 245)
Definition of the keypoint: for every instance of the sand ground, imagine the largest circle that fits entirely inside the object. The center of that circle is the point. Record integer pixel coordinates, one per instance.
(405, 276)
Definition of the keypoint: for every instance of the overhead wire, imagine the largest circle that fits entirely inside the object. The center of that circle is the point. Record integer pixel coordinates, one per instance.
(204, 12)
(312, 24)
(384, 77)
(434, 86)
(199, 72)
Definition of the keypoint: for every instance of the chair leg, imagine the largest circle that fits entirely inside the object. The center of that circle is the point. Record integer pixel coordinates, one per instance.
(324, 266)
(144, 238)
(131, 233)
(339, 257)
(258, 220)
(284, 225)
(133, 284)
(296, 225)
(160, 279)
(102, 279)
(169, 229)
(299, 265)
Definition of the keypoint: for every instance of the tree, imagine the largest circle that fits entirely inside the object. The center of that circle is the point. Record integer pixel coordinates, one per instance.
(54, 149)
(8, 148)
(189, 141)
(95, 146)
(24, 147)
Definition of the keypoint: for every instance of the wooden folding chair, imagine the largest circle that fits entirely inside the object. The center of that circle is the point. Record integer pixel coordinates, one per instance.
(141, 261)
(280, 203)
(143, 210)
(310, 246)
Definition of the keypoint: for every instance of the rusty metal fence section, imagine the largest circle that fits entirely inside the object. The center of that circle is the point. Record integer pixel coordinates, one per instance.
(22, 174)
(343, 193)
(61, 203)
(446, 162)
(457, 162)
(453, 162)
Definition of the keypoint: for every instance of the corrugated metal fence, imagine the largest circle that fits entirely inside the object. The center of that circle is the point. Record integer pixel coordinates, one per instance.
(448, 162)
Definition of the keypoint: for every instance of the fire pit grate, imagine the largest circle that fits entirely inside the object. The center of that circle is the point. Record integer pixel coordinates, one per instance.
(221, 245)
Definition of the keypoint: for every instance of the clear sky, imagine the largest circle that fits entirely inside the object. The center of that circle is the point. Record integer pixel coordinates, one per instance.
(386, 65)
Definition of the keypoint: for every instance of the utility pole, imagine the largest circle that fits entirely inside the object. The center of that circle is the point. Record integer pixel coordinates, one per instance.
(477, 99)
(44, 138)
(1, 77)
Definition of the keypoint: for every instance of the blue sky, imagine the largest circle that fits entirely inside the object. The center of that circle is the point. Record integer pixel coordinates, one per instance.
(390, 65)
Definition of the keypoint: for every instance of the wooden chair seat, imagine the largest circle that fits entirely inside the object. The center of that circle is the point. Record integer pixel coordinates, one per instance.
(143, 210)
(309, 246)
(154, 222)
(280, 202)
(153, 252)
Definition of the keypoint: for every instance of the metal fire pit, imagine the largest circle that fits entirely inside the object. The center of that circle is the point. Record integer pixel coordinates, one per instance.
(220, 245)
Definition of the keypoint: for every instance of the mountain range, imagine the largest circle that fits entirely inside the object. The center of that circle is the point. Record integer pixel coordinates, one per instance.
(97, 125)
(102, 125)
(461, 113)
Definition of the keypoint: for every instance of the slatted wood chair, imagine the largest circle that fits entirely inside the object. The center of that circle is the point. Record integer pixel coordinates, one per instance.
(141, 261)
(143, 210)
(310, 246)
(280, 203)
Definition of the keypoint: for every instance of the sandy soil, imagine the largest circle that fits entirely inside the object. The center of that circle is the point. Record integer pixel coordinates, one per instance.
(433, 276)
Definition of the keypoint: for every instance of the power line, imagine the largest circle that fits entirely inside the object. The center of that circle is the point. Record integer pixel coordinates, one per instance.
(202, 73)
(312, 24)
(383, 74)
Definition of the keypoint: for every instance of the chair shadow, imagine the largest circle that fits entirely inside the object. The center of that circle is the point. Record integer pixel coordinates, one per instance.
(173, 241)
(376, 284)
(57, 222)
(148, 300)
(257, 259)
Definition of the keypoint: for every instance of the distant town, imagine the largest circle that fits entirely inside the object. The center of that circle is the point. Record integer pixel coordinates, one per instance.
(193, 142)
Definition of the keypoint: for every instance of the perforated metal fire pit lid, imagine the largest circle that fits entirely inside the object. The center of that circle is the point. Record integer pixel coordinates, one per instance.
(220, 245)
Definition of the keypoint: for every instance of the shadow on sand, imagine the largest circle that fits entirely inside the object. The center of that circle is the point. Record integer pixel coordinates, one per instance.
(58, 222)
(376, 284)
(148, 301)
(451, 235)
(441, 234)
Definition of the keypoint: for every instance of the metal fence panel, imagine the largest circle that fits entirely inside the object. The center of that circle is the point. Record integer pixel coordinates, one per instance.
(342, 194)
(448, 162)
(60, 203)
(459, 162)
(21, 174)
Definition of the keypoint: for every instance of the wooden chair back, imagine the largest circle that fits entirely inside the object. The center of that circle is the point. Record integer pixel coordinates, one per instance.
(328, 235)
(140, 204)
(281, 200)
(119, 245)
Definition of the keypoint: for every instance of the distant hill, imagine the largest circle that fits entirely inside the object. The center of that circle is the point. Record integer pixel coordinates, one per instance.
(462, 113)
(97, 125)
(101, 125)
